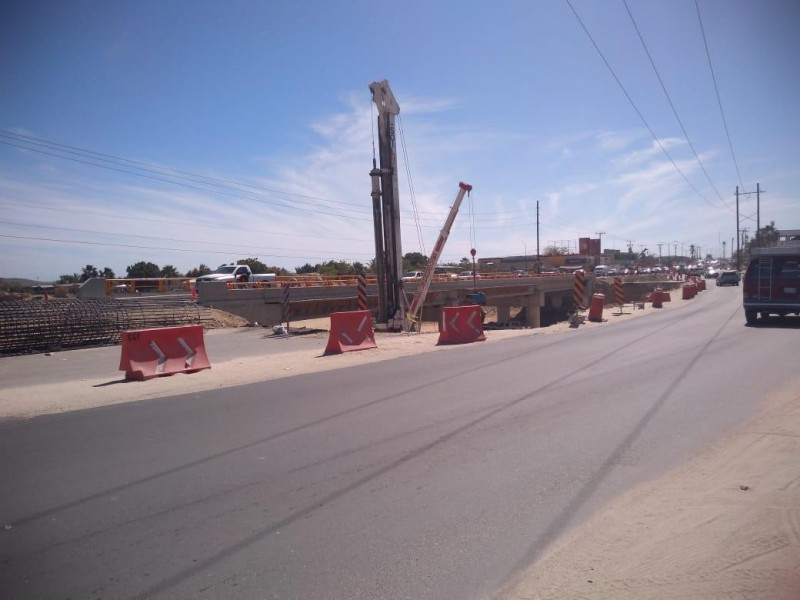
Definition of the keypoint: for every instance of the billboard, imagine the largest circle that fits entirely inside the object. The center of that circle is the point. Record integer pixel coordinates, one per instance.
(588, 246)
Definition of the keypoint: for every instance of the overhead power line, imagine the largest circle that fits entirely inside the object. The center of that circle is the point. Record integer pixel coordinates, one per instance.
(139, 247)
(636, 108)
(672, 106)
(178, 177)
(146, 237)
(716, 90)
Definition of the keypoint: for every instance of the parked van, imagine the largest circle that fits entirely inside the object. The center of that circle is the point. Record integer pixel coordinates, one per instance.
(772, 283)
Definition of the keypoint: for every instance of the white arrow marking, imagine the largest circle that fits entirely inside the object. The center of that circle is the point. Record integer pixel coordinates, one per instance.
(453, 322)
(162, 358)
(346, 338)
(190, 353)
(470, 320)
(361, 325)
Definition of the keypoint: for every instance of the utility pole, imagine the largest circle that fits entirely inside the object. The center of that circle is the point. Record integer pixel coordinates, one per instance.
(538, 257)
(723, 250)
(599, 234)
(659, 244)
(758, 209)
(738, 250)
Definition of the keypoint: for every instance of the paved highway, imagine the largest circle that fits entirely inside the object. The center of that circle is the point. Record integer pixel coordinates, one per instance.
(437, 476)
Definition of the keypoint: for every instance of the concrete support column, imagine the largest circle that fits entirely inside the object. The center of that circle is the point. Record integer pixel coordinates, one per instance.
(503, 314)
(533, 310)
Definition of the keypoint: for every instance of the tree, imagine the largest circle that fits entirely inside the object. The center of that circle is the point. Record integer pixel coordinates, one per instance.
(88, 272)
(143, 270)
(108, 273)
(555, 250)
(306, 268)
(74, 278)
(256, 266)
(766, 236)
(414, 261)
(169, 271)
(199, 271)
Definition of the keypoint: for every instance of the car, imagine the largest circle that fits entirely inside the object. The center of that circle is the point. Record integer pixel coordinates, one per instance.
(468, 275)
(712, 273)
(412, 275)
(602, 270)
(771, 283)
(728, 278)
(520, 273)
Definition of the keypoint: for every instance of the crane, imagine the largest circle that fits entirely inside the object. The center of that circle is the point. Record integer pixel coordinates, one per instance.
(415, 308)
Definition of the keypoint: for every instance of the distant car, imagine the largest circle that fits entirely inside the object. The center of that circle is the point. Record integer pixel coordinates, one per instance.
(412, 275)
(468, 275)
(602, 270)
(728, 278)
(712, 273)
(520, 273)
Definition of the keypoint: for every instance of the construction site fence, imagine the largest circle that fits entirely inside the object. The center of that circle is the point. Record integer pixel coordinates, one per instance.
(44, 325)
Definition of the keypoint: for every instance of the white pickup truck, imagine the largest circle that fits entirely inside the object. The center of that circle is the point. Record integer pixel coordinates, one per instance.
(235, 273)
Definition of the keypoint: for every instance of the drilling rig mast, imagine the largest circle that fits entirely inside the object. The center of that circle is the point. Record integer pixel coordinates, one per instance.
(386, 211)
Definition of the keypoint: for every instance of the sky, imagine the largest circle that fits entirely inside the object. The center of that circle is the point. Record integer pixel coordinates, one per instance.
(201, 132)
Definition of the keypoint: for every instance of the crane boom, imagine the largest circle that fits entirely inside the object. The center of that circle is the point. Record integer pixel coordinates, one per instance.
(422, 289)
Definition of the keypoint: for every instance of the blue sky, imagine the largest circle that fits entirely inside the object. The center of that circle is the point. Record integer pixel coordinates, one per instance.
(246, 128)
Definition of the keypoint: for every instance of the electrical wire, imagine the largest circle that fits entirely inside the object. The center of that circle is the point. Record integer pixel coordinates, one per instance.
(146, 237)
(672, 106)
(138, 247)
(719, 100)
(636, 108)
(210, 225)
(85, 156)
(410, 181)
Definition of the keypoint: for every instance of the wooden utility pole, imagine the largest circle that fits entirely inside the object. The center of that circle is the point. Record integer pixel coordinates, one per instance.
(538, 257)
(738, 251)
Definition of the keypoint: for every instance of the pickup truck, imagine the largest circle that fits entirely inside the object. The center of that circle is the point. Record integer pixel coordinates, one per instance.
(235, 273)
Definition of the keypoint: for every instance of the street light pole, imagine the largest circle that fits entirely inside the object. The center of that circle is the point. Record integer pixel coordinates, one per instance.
(526, 254)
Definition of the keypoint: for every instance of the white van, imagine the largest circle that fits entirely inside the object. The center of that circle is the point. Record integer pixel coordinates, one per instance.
(602, 271)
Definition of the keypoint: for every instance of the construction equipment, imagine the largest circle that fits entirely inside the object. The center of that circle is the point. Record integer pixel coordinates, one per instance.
(415, 308)
(386, 210)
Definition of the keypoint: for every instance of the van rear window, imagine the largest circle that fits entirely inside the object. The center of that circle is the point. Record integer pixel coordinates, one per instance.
(790, 268)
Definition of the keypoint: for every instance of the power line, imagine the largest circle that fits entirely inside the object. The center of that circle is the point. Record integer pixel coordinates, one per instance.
(672, 106)
(636, 108)
(210, 225)
(138, 247)
(716, 89)
(146, 237)
(58, 150)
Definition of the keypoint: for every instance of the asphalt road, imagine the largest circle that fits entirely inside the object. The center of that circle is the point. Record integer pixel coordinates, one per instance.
(437, 476)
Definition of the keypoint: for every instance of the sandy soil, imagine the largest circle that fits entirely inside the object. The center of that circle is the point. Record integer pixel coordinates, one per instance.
(726, 525)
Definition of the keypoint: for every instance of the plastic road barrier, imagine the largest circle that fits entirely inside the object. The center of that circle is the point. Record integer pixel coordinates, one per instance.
(658, 298)
(596, 308)
(619, 297)
(578, 290)
(148, 353)
(461, 325)
(350, 331)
